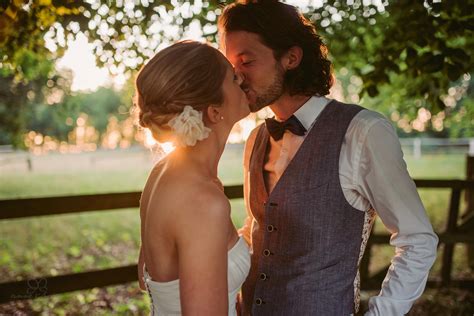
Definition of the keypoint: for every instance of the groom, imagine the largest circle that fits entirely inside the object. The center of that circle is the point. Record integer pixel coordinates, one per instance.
(315, 176)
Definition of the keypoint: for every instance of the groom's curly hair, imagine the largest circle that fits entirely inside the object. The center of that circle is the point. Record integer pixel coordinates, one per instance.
(280, 26)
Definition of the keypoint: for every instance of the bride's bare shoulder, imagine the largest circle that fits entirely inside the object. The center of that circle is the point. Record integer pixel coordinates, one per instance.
(183, 193)
(204, 196)
(204, 211)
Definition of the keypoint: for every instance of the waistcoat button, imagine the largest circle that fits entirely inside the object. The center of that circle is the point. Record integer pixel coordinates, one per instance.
(259, 301)
(266, 252)
(263, 276)
(271, 228)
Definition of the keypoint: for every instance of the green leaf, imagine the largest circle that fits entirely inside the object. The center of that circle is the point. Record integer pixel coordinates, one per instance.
(434, 64)
(372, 90)
(454, 72)
(74, 251)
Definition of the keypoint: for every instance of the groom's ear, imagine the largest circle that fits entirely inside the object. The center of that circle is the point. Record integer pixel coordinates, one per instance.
(213, 114)
(292, 58)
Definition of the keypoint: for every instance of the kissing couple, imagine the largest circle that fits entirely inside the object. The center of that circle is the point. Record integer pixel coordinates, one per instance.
(315, 176)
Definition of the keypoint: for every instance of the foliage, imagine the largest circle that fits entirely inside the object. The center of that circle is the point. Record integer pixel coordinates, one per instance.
(27, 74)
(58, 120)
(462, 124)
(23, 26)
(98, 105)
(125, 33)
(425, 40)
(427, 43)
(413, 116)
(408, 54)
(20, 90)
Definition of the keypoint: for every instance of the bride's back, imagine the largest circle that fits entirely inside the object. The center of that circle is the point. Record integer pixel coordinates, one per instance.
(189, 94)
(168, 200)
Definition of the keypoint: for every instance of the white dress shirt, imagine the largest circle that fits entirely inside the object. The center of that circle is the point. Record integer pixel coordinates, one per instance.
(372, 174)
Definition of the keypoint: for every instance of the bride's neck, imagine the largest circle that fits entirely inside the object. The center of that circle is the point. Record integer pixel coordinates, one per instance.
(204, 156)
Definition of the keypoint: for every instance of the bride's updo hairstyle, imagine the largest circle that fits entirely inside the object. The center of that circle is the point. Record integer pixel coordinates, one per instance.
(187, 73)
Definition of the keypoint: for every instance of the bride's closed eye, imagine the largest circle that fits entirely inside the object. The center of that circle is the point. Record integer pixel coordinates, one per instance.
(237, 79)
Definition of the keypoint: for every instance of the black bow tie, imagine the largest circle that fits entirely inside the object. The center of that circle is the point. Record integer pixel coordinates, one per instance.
(277, 129)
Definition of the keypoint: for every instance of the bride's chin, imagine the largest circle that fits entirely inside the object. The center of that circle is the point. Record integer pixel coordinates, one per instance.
(246, 111)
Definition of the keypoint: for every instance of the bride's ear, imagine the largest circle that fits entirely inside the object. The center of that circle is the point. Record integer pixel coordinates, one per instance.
(213, 114)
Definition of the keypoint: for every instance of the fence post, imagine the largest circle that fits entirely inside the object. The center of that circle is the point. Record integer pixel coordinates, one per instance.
(469, 198)
(451, 227)
(417, 148)
(29, 163)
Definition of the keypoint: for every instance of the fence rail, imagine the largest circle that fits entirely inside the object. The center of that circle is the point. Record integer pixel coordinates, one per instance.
(455, 232)
(417, 145)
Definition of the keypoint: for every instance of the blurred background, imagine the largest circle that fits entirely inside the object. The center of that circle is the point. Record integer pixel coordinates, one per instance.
(67, 73)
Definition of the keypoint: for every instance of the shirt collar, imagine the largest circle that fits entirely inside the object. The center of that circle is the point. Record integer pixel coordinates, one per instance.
(309, 111)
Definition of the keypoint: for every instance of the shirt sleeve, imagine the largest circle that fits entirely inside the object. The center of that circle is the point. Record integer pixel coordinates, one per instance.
(382, 178)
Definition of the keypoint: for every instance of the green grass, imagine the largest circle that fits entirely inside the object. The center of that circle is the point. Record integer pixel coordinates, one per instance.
(437, 166)
(54, 245)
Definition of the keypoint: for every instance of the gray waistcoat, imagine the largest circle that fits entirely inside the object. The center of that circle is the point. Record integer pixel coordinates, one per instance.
(306, 238)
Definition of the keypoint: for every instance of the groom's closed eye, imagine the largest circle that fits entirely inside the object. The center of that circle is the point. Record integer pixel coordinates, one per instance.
(246, 59)
(247, 62)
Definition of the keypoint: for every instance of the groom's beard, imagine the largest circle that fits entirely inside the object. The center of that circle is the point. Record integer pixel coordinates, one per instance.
(271, 94)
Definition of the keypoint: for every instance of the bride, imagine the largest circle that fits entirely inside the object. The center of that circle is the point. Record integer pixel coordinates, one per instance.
(192, 260)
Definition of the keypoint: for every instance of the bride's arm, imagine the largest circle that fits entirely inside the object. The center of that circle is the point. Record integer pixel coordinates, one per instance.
(246, 229)
(141, 256)
(141, 261)
(202, 239)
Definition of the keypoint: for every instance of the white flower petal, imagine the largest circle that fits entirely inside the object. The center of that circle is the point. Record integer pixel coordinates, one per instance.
(189, 127)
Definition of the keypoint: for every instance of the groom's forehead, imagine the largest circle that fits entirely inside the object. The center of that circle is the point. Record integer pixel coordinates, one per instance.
(241, 39)
(238, 50)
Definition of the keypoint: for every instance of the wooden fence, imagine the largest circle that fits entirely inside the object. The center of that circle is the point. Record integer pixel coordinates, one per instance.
(457, 231)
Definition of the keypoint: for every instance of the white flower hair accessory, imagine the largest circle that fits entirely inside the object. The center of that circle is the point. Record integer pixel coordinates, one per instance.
(189, 127)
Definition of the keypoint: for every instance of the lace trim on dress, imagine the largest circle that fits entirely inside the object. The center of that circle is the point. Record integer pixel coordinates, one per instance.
(369, 220)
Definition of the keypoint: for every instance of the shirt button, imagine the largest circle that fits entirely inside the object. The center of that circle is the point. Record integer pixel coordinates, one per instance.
(263, 276)
(266, 252)
(259, 301)
(271, 228)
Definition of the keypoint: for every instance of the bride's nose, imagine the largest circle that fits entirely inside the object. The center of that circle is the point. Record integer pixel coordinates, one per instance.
(241, 77)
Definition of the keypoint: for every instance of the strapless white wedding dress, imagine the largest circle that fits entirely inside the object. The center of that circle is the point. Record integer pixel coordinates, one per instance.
(164, 296)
